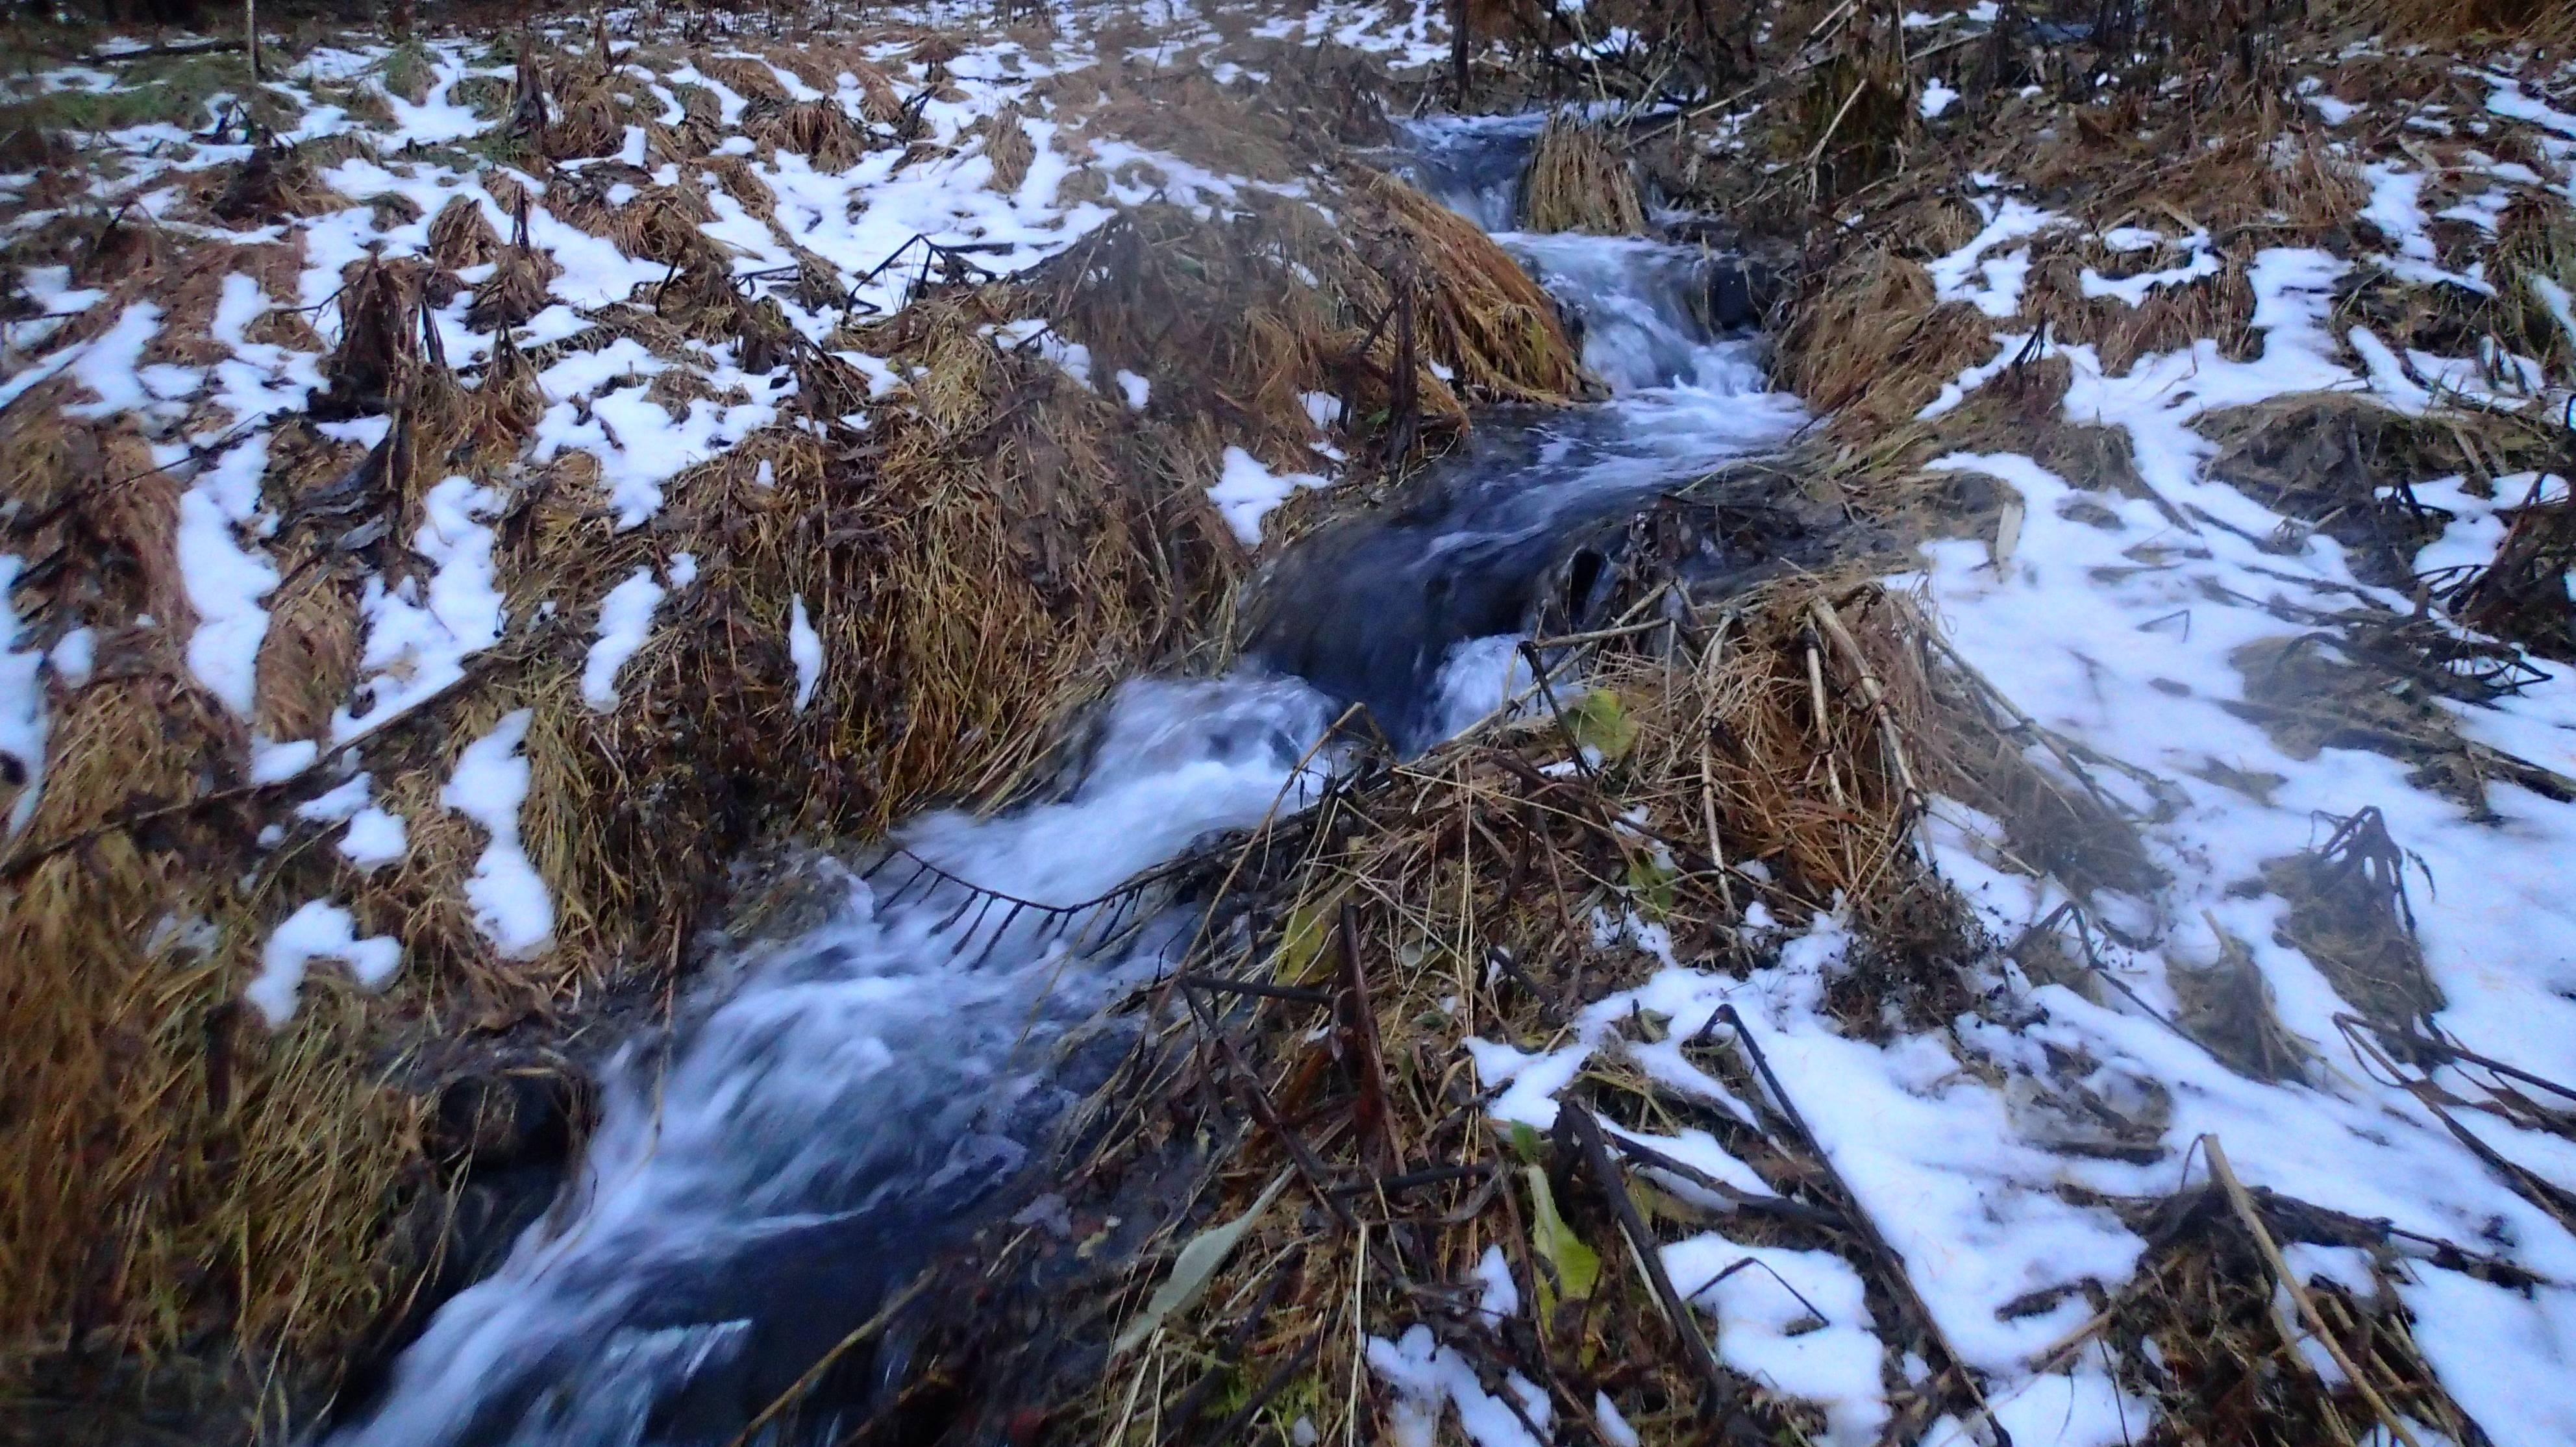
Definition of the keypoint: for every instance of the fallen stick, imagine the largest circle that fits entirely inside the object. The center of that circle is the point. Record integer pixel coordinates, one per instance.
(1256, 1100)
(1586, 1133)
(1831, 624)
(2253, 1219)
(1866, 1228)
(1360, 1028)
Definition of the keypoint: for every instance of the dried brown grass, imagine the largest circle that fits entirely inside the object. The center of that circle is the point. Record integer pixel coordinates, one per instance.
(1008, 147)
(818, 130)
(461, 236)
(1577, 180)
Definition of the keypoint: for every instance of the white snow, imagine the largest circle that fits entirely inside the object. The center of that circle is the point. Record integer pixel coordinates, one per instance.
(1136, 390)
(625, 616)
(1614, 1427)
(419, 639)
(1937, 97)
(1245, 492)
(1993, 284)
(805, 650)
(2133, 289)
(74, 655)
(22, 702)
(225, 579)
(1794, 1320)
(511, 904)
(374, 838)
(1501, 1296)
(1428, 1377)
(318, 930)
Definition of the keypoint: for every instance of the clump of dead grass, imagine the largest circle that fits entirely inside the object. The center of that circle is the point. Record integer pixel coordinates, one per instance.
(1577, 180)
(1248, 317)
(461, 236)
(2229, 1345)
(818, 130)
(1008, 147)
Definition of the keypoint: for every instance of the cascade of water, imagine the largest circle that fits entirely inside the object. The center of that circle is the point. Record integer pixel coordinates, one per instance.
(828, 1114)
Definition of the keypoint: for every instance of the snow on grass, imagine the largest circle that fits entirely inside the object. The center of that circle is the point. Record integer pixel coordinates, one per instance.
(2133, 289)
(374, 838)
(320, 930)
(1993, 284)
(805, 649)
(420, 636)
(22, 705)
(625, 616)
(2396, 208)
(225, 579)
(1937, 97)
(1428, 1377)
(1796, 1321)
(511, 904)
(1245, 492)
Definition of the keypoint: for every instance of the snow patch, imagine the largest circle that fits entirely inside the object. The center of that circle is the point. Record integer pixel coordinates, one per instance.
(511, 905)
(319, 930)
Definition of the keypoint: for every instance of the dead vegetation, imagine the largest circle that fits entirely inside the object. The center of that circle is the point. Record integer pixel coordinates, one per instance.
(1296, 1157)
(1002, 543)
(1577, 180)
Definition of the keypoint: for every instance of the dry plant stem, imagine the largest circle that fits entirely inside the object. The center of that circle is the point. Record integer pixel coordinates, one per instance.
(1586, 1131)
(2238, 1197)
(1816, 699)
(814, 1373)
(1257, 1101)
(1708, 818)
(1893, 1263)
(1831, 623)
(1360, 1025)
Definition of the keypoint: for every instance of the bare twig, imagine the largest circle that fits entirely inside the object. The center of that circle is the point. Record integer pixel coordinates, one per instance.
(2253, 1219)
(1723, 1394)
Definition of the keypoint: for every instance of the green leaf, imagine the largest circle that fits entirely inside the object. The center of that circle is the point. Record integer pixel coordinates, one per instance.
(1525, 1140)
(1651, 882)
(1576, 1268)
(1193, 1268)
(1301, 943)
(1600, 724)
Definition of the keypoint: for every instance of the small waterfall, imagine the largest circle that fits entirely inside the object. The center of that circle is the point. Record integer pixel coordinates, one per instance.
(827, 1115)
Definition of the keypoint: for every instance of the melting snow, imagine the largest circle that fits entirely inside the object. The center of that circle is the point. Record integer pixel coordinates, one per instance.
(805, 649)
(625, 616)
(319, 930)
(22, 704)
(418, 639)
(511, 905)
(1246, 492)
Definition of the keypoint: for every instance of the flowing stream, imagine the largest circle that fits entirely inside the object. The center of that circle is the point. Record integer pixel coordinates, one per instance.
(826, 1116)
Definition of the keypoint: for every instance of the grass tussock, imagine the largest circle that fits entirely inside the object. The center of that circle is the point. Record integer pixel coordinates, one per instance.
(1577, 180)
(818, 130)
(1247, 319)
(1008, 147)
